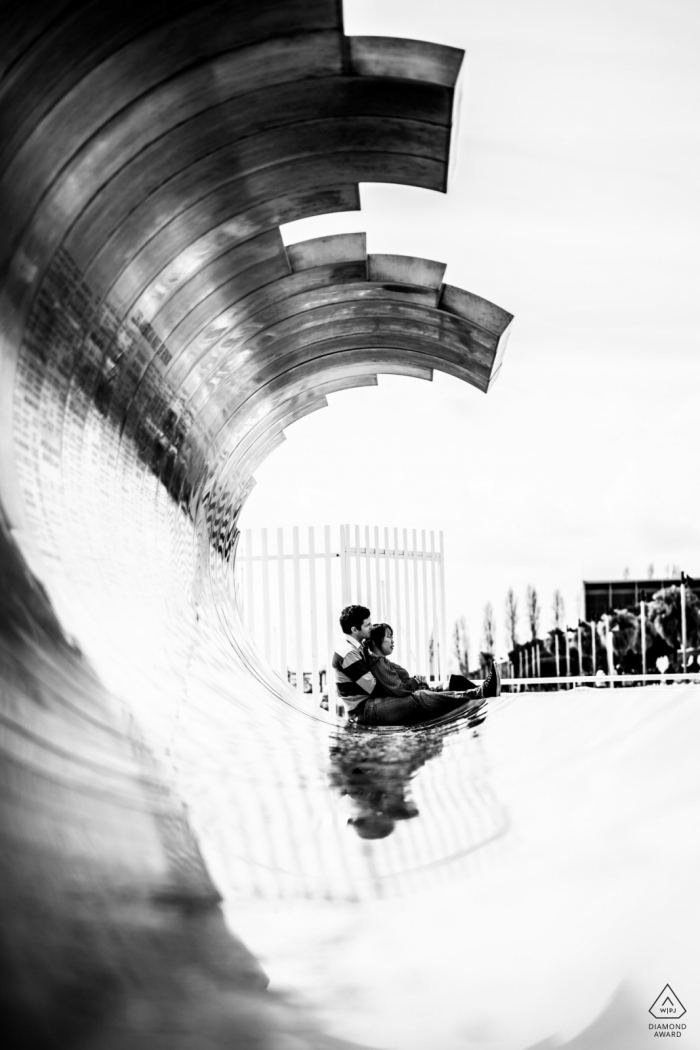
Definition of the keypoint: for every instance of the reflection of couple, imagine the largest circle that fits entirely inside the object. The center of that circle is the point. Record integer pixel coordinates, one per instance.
(376, 691)
(374, 771)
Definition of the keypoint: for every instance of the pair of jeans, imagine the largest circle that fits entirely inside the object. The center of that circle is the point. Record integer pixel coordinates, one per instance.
(420, 706)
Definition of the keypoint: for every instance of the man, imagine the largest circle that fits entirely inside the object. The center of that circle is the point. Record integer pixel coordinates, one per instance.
(354, 681)
(366, 699)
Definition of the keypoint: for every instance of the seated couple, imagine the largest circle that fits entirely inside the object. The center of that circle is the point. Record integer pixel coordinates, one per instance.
(378, 692)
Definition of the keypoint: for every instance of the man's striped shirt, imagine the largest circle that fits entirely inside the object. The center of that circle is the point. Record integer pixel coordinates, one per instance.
(354, 681)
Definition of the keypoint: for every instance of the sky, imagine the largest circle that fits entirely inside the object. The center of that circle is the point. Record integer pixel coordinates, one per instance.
(573, 204)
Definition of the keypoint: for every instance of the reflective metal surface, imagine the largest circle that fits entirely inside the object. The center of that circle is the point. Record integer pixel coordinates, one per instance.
(156, 339)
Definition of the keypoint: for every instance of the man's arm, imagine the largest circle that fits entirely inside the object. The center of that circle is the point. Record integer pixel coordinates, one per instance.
(356, 669)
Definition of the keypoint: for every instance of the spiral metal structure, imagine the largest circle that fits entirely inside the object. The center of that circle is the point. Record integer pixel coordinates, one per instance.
(156, 338)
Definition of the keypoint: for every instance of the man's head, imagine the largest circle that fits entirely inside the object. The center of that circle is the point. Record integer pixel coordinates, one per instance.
(376, 826)
(356, 621)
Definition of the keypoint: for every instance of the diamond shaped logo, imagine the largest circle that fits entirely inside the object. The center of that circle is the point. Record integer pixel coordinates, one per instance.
(667, 1005)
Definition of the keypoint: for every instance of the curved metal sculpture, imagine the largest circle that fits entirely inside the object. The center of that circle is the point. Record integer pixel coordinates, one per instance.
(157, 337)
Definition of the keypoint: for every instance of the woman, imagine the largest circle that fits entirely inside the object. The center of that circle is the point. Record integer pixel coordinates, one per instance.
(408, 699)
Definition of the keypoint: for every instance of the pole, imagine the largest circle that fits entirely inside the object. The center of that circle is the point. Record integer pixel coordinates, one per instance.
(297, 609)
(266, 596)
(426, 622)
(443, 621)
(379, 613)
(417, 655)
(683, 625)
(407, 601)
(387, 579)
(250, 590)
(593, 652)
(282, 600)
(330, 616)
(315, 676)
(556, 650)
(609, 646)
(643, 628)
(568, 654)
(433, 595)
(398, 628)
(345, 598)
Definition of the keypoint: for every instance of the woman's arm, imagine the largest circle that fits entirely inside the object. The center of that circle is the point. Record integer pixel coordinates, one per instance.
(386, 673)
(409, 682)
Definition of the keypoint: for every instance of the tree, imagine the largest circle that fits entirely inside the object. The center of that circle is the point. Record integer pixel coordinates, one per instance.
(489, 628)
(512, 618)
(533, 611)
(650, 571)
(626, 573)
(558, 609)
(460, 644)
(664, 613)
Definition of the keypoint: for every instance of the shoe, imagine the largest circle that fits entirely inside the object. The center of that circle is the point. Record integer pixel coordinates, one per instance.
(492, 684)
(402, 810)
(477, 693)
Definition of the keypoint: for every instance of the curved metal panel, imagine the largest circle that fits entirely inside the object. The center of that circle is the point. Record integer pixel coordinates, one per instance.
(156, 338)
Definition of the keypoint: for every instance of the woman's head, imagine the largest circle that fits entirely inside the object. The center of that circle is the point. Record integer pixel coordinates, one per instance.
(381, 638)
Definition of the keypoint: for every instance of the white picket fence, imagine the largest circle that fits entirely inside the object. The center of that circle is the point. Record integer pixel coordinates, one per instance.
(290, 585)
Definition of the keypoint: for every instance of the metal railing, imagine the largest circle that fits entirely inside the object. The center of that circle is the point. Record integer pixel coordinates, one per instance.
(290, 595)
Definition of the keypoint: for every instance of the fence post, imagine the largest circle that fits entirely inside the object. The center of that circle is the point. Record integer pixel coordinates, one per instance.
(297, 612)
(348, 569)
(425, 603)
(684, 636)
(609, 646)
(397, 616)
(433, 595)
(343, 568)
(358, 567)
(330, 645)
(266, 597)
(380, 611)
(250, 589)
(387, 578)
(315, 681)
(407, 603)
(417, 654)
(556, 650)
(282, 605)
(368, 573)
(643, 628)
(567, 640)
(443, 632)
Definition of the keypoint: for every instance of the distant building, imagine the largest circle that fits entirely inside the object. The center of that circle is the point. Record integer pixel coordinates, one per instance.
(601, 595)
